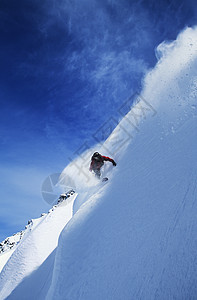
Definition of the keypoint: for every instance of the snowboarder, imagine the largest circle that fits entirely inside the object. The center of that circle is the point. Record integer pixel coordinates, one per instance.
(97, 162)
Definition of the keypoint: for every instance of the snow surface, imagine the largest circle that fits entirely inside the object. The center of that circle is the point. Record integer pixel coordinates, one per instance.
(134, 237)
(30, 266)
(139, 240)
(8, 246)
(4, 258)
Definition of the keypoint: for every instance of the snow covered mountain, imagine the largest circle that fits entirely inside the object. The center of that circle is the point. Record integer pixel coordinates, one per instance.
(134, 237)
(33, 249)
(8, 246)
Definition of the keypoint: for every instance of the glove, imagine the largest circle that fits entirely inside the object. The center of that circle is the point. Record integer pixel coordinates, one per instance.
(114, 163)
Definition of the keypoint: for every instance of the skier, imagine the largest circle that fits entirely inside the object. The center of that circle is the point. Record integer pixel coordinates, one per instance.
(97, 162)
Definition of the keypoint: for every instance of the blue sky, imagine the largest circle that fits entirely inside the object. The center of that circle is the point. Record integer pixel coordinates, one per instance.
(66, 68)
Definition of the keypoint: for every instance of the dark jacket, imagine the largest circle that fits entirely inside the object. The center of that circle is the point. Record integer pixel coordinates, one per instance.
(97, 164)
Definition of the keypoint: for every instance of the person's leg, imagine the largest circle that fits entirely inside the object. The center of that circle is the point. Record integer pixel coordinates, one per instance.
(98, 173)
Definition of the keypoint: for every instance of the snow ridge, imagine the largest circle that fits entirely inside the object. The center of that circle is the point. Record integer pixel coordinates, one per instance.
(11, 242)
(39, 239)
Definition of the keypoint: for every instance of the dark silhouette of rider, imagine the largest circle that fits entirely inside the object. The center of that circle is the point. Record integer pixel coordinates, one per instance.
(97, 161)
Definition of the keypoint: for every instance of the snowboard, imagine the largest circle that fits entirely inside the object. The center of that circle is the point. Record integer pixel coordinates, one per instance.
(104, 179)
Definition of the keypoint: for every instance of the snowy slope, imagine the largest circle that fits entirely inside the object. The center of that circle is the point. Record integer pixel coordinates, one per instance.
(138, 238)
(30, 266)
(8, 246)
(4, 258)
(134, 237)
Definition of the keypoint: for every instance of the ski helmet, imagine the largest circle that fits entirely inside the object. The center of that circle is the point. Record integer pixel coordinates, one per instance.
(96, 156)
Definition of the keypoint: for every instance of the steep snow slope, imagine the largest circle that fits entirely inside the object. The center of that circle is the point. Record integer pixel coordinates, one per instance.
(135, 236)
(138, 238)
(8, 246)
(30, 266)
(4, 258)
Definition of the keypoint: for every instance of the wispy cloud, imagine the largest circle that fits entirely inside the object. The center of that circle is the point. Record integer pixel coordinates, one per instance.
(91, 55)
(103, 61)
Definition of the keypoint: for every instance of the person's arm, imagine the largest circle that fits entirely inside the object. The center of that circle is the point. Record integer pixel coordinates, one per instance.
(106, 158)
(91, 166)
